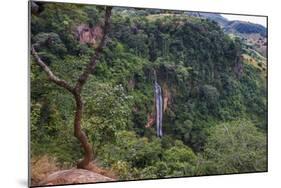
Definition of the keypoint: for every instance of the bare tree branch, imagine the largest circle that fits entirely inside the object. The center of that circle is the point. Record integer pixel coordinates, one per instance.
(50, 74)
(92, 64)
(76, 91)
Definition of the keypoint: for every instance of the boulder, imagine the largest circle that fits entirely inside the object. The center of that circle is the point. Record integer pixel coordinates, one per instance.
(74, 176)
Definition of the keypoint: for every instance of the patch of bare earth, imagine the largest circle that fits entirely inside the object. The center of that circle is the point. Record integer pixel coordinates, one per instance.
(41, 167)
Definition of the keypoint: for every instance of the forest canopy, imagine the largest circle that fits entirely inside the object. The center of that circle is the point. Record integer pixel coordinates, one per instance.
(215, 102)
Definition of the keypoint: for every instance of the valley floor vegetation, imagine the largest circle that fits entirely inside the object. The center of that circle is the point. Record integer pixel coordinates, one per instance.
(215, 102)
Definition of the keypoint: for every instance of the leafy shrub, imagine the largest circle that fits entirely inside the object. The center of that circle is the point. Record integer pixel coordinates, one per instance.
(235, 147)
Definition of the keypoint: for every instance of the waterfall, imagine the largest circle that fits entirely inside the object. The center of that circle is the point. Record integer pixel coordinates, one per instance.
(159, 108)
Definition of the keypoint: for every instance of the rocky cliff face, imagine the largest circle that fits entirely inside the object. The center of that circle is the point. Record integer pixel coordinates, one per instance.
(90, 35)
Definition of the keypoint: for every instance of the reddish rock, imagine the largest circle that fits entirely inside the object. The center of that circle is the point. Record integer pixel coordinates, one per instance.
(86, 34)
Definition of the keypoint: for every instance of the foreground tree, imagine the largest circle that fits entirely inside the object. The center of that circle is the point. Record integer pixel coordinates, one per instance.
(76, 90)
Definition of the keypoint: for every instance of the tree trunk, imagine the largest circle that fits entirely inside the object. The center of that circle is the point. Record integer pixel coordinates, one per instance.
(80, 134)
(85, 163)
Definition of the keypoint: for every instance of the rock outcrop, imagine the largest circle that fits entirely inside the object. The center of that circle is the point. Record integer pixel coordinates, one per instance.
(86, 34)
(74, 176)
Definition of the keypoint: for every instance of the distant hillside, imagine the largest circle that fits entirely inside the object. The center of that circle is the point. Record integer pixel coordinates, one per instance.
(245, 27)
(211, 16)
(233, 26)
(253, 36)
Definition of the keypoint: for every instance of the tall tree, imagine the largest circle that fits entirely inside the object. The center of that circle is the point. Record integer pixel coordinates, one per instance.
(77, 89)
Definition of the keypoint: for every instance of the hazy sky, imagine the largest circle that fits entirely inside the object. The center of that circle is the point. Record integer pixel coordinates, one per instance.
(253, 19)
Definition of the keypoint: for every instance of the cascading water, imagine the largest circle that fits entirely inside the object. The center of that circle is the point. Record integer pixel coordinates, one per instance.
(159, 108)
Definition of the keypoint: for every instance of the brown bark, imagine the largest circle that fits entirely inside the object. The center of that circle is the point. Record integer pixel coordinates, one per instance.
(76, 91)
(80, 134)
(50, 74)
(93, 62)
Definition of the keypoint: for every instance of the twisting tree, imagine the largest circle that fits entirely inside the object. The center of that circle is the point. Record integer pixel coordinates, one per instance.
(77, 89)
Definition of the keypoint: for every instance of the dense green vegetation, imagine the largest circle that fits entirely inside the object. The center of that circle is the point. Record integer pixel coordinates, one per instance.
(244, 27)
(216, 118)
